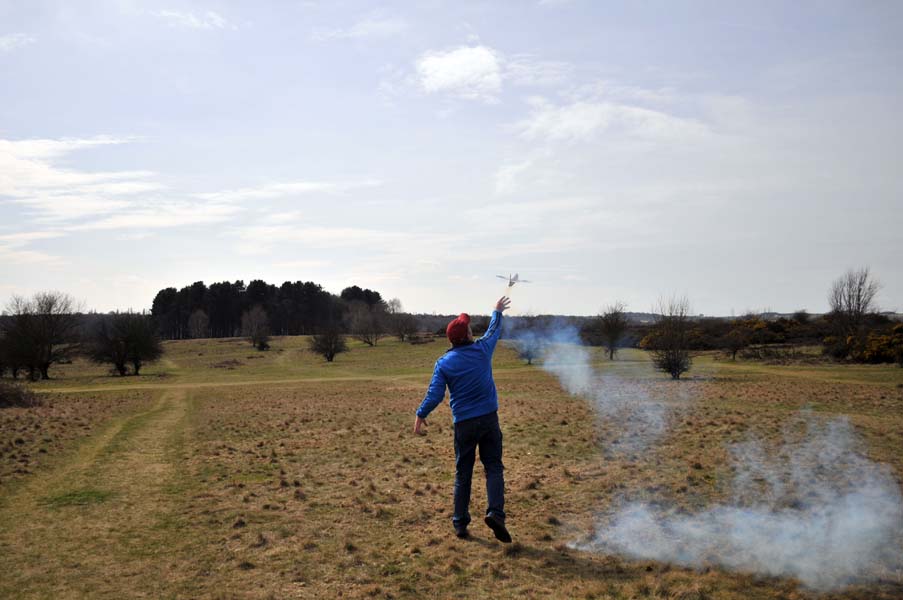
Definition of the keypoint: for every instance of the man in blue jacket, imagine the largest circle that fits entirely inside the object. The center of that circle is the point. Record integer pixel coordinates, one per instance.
(466, 369)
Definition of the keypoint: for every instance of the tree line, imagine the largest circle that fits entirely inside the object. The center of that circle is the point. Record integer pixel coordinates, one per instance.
(259, 309)
(853, 330)
(294, 308)
(51, 328)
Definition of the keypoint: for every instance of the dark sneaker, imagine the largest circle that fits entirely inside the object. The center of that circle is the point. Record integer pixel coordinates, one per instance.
(462, 532)
(498, 528)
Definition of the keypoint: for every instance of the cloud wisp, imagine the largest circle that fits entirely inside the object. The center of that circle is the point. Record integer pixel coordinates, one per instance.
(290, 188)
(13, 248)
(584, 120)
(368, 28)
(12, 41)
(30, 176)
(207, 20)
(52, 194)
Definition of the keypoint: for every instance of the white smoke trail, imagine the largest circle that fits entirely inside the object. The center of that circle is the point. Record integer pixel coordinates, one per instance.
(635, 411)
(815, 508)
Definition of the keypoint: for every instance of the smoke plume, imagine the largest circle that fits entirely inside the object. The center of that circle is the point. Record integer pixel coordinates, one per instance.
(635, 410)
(814, 507)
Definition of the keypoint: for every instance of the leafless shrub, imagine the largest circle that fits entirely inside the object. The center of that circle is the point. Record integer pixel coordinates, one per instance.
(255, 325)
(613, 325)
(668, 341)
(15, 395)
(328, 344)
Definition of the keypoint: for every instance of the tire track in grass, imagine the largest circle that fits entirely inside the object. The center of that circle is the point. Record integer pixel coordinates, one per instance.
(106, 520)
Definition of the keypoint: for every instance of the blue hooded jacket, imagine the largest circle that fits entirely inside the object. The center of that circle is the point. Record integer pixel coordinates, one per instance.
(467, 371)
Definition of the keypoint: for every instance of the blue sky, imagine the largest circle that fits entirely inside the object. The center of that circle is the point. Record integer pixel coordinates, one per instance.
(743, 154)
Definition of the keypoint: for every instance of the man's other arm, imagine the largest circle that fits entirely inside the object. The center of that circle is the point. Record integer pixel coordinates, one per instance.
(434, 393)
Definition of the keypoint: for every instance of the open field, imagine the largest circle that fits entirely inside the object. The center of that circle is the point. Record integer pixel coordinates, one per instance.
(227, 473)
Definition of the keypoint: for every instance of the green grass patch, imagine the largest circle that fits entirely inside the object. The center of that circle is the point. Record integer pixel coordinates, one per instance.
(82, 497)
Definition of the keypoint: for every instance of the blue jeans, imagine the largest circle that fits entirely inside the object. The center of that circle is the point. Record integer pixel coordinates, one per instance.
(484, 433)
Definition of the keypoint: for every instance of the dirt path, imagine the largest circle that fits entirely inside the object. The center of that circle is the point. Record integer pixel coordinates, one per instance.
(105, 520)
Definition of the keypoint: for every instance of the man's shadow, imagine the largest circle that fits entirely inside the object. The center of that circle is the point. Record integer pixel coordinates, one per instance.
(569, 563)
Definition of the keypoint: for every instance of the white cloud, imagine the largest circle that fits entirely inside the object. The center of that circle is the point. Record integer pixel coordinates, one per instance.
(24, 237)
(291, 188)
(585, 119)
(30, 177)
(13, 248)
(261, 238)
(478, 73)
(134, 236)
(366, 28)
(207, 20)
(507, 175)
(527, 70)
(280, 218)
(11, 41)
(301, 264)
(52, 148)
(471, 72)
(80, 200)
(155, 215)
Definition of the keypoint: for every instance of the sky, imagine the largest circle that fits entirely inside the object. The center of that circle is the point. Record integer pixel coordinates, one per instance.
(744, 154)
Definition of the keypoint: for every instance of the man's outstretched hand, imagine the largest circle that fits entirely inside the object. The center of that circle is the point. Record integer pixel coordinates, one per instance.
(418, 425)
(503, 304)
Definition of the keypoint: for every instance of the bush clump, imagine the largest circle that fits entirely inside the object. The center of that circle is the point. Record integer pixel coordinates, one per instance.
(13, 394)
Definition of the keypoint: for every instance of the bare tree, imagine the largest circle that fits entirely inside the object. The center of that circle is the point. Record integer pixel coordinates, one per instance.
(144, 344)
(399, 323)
(15, 352)
(125, 339)
(736, 339)
(328, 344)
(613, 325)
(105, 345)
(255, 325)
(5, 362)
(198, 324)
(44, 330)
(527, 337)
(367, 323)
(668, 341)
(404, 325)
(529, 345)
(851, 299)
(393, 306)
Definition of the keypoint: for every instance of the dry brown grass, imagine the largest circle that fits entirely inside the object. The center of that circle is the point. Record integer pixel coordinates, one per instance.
(317, 488)
(34, 436)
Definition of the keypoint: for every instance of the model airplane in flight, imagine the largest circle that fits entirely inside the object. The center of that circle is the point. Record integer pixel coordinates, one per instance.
(512, 279)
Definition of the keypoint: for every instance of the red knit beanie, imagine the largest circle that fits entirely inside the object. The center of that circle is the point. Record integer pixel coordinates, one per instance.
(457, 329)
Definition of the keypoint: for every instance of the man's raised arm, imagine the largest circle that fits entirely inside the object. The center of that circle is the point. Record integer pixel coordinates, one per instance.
(491, 337)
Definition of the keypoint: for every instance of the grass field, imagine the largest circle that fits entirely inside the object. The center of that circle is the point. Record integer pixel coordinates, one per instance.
(223, 472)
